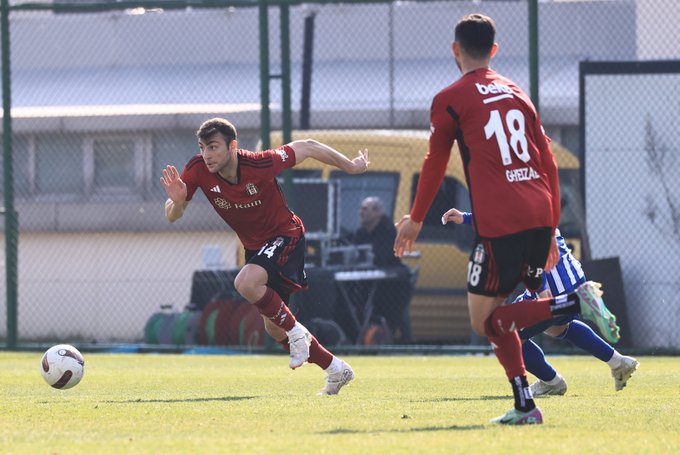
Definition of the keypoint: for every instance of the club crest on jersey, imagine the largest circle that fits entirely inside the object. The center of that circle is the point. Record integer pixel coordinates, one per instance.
(278, 242)
(251, 189)
(282, 153)
(479, 255)
(222, 203)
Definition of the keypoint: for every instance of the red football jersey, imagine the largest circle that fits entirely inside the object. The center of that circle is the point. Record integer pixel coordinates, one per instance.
(509, 167)
(255, 207)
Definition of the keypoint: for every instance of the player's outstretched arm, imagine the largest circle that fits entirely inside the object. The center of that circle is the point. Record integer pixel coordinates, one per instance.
(309, 148)
(176, 190)
(453, 214)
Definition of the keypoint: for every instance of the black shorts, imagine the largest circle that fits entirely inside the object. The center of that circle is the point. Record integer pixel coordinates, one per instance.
(498, 265)
(284, 260)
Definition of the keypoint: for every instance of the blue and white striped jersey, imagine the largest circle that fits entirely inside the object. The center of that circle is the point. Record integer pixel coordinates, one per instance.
(565, 277)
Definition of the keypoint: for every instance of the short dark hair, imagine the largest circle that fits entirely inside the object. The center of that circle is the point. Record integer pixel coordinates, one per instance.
(476, 34)
(217, 125)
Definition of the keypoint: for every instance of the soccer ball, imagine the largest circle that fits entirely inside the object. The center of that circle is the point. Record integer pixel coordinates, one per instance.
(62, 366)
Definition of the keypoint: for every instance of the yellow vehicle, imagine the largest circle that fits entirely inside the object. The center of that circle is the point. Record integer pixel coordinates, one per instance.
(438, 307)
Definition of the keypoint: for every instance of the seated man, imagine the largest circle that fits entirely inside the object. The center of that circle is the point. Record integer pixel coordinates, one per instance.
(392, 297)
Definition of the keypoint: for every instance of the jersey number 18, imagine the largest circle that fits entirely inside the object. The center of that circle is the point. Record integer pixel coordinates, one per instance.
(514, 120)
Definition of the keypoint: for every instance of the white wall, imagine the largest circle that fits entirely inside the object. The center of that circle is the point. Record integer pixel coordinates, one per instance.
(422, 30)
(657, 21)
(627, 202)
(104, 287)
(212, 56)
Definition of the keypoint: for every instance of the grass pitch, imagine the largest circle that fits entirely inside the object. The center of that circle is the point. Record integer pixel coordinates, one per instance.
(185, 404)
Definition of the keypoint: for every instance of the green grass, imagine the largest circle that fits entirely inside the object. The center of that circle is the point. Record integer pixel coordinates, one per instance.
(165, 404)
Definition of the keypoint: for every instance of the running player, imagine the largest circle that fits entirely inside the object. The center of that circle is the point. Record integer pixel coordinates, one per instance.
(242, 188)
(514, 190)
(566, 277)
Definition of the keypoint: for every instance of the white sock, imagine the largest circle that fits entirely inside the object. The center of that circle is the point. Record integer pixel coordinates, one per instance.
(615, 361)
(554, 380)
(294, 329)
(335, 366)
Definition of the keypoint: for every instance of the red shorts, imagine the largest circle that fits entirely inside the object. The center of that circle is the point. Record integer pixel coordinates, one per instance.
(498, 265)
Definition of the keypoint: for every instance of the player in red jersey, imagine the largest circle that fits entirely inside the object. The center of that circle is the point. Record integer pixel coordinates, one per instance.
(242, 188)
(514, 190)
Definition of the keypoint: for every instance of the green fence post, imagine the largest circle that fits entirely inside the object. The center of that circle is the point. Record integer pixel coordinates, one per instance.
(285, 75)
(264, 74)
(286, 115)
(11, 223)
(533, 52)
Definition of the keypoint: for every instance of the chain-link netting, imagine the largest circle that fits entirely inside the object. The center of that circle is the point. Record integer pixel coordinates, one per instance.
(103, 98)
(631, 187)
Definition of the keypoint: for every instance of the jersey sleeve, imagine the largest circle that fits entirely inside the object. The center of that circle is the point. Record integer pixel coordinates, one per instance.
(285, 158)
(271, 163)
(442, 135)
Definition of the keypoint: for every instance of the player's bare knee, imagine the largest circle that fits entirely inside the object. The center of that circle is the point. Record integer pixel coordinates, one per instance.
(240, 283)
(478, 328)
(246, 287)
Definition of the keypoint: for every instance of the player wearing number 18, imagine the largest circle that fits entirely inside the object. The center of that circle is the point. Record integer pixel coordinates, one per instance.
(514, 191)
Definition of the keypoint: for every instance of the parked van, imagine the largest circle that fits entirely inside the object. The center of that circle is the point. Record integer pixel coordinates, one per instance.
(439, 307)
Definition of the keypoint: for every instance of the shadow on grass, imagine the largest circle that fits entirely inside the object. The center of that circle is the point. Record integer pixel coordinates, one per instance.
(177, 400)
(482, 398)
(406, 430)
(183, 400)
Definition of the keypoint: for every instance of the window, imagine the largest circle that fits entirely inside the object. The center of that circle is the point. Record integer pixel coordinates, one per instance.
(58, 166)
(286, 179)
(354, 188)
(315, 202)
(451, 193)
(20, 161)
(114, 163)
(115, 167)
(571, 214)
(21, 147)
(76, 168)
